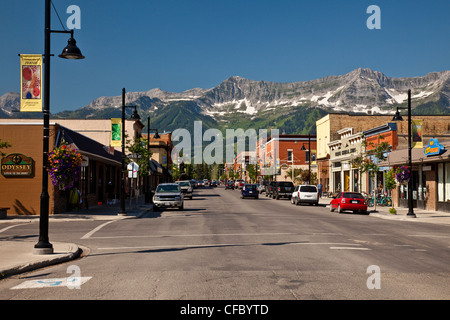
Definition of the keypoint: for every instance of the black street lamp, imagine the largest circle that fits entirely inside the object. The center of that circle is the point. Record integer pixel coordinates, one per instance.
(134, 116)
(71, 51)
(148, 196)
(398, 117)
(309, 157)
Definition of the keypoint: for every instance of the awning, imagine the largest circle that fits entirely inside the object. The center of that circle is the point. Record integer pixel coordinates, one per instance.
(398, 157)
(88, 147)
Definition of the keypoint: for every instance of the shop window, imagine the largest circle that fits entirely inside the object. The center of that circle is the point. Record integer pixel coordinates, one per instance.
(447, 181)
(440, 182)
(444, 182)
(93, 176)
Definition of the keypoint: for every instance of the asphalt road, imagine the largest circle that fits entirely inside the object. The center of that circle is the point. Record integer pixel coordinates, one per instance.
(223, 247)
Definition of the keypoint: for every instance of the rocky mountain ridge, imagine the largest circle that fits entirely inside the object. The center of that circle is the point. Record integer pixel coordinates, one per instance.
(242, 101)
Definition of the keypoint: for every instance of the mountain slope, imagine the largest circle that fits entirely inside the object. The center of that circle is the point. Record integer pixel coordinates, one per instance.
(293, 107)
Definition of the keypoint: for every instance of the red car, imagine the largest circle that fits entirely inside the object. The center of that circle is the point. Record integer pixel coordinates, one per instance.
(353, 201)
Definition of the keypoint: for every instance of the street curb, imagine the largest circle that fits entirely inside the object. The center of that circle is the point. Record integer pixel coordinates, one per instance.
(50, 261)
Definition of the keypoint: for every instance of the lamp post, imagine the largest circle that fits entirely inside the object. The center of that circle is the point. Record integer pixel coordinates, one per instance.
(71, 51)
(309, 157)
(148, 196)
(398, 117)
(134, 116)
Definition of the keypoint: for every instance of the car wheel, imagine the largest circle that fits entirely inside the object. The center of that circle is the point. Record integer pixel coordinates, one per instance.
(296, 202)
(331, 208)
(339, 210)
(181, 207)
(292, 200)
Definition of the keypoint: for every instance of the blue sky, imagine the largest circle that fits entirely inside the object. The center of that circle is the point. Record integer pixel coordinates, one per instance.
(178, 45)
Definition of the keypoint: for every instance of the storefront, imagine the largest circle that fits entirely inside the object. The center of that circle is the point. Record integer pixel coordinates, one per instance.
(344, 177)
(22, 164)
(430, 176)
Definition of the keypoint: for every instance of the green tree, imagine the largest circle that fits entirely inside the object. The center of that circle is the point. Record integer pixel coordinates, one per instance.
(139, 148)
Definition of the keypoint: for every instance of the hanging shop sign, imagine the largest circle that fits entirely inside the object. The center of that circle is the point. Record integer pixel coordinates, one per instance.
(434, 148)
(17, 165)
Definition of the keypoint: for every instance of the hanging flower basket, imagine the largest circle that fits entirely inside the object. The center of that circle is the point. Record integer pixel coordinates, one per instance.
(64, 167)
(402, 175)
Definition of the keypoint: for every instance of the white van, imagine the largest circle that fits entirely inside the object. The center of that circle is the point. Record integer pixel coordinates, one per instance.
(305, 193)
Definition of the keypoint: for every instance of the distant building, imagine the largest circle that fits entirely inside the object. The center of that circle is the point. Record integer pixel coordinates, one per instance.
(278, 155)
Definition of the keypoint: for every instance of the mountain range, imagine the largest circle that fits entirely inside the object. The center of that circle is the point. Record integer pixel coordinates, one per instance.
(291, 107)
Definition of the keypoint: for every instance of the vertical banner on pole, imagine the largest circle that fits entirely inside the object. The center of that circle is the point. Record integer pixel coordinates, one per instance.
(417, 133)
(30, 83)
(116, 132)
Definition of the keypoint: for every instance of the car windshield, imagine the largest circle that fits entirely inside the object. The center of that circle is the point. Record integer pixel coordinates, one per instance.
(308, 189)
(168, 188)
(352, 195)
(250, 186)
(184, 184)
(285, 184)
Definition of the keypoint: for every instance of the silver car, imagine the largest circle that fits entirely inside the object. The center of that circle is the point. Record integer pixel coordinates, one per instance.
(186, 188)
(168, 195)
(305, 193)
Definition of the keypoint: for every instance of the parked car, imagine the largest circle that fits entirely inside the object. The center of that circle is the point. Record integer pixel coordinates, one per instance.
(168, 195)
(229, 185)
(186, 188)
(353, 201)
(282, 189)
(269, 188)
(249, 190)
(239, 183)
(305, 193)
(262, 186)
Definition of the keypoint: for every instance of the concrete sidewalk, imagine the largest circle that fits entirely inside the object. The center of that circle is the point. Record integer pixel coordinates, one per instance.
(438, 217)
(16, 256)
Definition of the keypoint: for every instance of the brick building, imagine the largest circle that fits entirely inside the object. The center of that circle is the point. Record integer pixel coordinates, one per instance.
(278, 155)
(327, 130)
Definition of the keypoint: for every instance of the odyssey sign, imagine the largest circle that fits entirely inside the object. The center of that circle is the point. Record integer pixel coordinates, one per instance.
(17, 165)
(434, 148)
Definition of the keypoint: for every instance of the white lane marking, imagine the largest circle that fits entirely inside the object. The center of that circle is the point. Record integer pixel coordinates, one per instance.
(199, 235)
(90, 233)
(429, 235)
(4, 229)
(348, 248)
(181, 246)
(51, 283)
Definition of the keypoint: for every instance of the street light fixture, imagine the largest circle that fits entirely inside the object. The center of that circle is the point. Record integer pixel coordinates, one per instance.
(148, 196)
(70, 52)
(309, 157)
(135, 116)
(398, 117)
